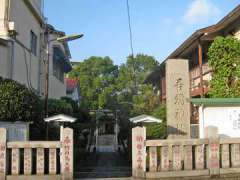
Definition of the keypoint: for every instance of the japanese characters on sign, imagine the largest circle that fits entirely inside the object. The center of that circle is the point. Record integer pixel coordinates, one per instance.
(27, 161)
(199, 157)
(2, 157)
(139, 147)
(213, 159)
(52, 161)
(179, 104)
(153, 158)
(177, 95)
(67, 162)
(164, 158)
(40, 161)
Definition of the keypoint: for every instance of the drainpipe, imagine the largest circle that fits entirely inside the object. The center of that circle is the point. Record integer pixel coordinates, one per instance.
(11, 68)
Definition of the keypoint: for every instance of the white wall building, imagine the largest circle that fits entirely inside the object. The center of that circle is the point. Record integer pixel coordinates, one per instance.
(221, 113)
(23, 46)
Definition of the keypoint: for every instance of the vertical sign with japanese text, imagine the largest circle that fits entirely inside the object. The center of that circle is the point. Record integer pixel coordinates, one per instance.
(3, 138)
(138, 151)
(67, 153)
(178, 95)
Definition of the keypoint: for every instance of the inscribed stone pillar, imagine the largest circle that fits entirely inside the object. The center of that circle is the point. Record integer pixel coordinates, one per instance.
(188, 165)
(40, 161)
(15, 161)
(235, 155)
(165, 166)
(199, 157)
(52, 161)
(27, 161)
(67, 153)
(178, 94)
(225, 156)
(138, 152)
(3, 138)
(153, 159)
(177, 158)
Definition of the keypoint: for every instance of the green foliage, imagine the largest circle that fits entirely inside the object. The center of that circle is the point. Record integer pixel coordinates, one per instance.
(224, 58)
(56, 106)
(158, 130)
(145, 101)
(97, 75)
(18, 103)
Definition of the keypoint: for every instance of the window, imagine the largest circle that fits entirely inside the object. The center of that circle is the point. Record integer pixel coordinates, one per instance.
(58, 63)
(58, 70)
(33, 42)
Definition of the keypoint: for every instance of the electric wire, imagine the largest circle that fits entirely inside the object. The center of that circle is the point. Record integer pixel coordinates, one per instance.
(130, 28)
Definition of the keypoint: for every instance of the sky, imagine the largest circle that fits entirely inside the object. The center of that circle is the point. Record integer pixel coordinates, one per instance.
(158, 26)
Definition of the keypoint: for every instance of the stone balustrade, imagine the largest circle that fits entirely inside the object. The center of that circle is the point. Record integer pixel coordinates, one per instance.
(173, 158)
(37, 159)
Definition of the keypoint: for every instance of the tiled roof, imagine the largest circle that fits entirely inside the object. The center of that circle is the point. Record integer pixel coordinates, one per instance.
(71, 84)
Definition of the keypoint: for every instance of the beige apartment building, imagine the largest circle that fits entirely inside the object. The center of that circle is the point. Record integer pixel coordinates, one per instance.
(23, 42)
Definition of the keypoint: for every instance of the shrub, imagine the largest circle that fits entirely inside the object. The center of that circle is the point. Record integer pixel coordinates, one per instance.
(57, 106)
(224, 58)
(17, 102)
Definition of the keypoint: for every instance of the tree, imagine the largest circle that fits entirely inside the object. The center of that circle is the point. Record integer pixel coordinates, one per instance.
(224, 59)
(131, 86)
(97, 76)
(158, 130)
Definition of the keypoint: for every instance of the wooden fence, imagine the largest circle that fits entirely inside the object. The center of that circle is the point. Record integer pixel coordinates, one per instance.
(183, 157)
(37, 159)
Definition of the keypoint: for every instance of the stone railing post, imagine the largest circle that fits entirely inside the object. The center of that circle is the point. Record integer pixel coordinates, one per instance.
(213, 163)
(66, 158)
(3, 143)
(138, 152)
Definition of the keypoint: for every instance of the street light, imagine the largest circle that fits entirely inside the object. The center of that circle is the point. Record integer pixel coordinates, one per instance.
(59, 39)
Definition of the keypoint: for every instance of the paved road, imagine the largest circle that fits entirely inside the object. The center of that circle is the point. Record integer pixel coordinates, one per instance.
(105, 165)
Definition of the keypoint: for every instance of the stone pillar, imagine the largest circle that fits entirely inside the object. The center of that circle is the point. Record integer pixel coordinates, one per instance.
(153, 159)
(52, 161)
(138, 152)
(188, 165)
(235, 155)
(15, 161)
(199, 157)
(177, 158)
(178, 94)
(225, 156)
(3, 139)
(40, 161)
(67, 154)
(213, 161)
(165, 166)
(27, 161)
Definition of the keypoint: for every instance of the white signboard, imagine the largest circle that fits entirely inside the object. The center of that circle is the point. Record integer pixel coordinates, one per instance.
(226, 119)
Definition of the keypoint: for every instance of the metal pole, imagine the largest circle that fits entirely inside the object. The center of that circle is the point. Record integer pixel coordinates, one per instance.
(116, 131)
(47, 85)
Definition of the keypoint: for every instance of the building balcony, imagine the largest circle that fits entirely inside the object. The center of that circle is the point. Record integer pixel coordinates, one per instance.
(194, 81)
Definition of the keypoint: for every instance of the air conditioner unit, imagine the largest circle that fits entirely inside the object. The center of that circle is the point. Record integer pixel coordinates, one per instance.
(12, 28)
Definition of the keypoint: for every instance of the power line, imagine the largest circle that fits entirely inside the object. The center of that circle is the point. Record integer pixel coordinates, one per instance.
(130, 28)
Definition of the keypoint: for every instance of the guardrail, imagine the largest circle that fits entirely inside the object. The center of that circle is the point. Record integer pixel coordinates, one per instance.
(183, 157)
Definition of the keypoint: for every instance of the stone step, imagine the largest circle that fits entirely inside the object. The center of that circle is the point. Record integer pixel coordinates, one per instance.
(103, 174)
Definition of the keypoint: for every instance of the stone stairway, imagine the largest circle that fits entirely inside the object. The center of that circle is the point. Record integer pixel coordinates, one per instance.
(104, 165)
(106, 143)
(106, 140)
